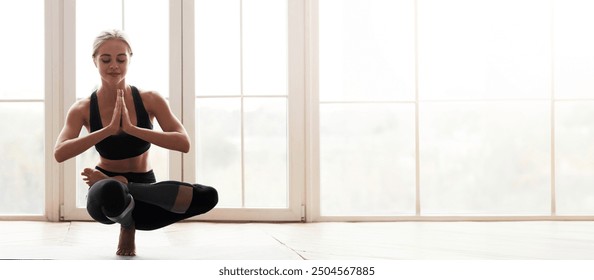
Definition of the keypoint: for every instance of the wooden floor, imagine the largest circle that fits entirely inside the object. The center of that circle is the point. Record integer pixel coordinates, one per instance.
(541, 240)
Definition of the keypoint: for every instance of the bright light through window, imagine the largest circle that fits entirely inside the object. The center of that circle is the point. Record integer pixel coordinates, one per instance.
(467, 51)
(495, 89)
(22, 94)
(241, 101)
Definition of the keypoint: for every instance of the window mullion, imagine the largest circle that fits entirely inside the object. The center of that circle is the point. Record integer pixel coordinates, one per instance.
(241, 114)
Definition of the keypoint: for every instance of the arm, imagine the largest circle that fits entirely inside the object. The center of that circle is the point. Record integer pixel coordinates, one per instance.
(69, 145)
(173, 136)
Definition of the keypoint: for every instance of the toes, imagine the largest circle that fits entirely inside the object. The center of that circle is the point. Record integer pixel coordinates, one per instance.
(126, 250)
(126, 253)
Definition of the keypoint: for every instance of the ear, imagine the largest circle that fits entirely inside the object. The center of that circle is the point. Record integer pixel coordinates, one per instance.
(95, 62)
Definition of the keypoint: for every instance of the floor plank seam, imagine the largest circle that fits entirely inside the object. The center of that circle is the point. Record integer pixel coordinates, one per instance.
(288, 247)
(66, 234)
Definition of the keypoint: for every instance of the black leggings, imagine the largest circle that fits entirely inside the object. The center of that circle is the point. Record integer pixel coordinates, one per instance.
(111, 197)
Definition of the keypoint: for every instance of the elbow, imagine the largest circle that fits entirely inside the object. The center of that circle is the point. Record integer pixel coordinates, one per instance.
(59, 156)
(185, 147)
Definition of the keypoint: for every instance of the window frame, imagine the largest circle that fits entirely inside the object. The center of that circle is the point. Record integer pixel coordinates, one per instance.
(313, 145)
(50, 55)
(182, 166)
(296, 124)
(59, 93)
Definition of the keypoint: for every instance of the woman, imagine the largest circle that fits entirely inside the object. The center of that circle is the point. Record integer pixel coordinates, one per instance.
(119, 119)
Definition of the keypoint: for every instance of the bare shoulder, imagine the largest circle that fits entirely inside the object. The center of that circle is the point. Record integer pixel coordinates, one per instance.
(78, 114)
(152, 100)
(80, 107)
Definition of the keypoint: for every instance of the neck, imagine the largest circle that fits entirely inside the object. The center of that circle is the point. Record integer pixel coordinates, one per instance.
(110, 88)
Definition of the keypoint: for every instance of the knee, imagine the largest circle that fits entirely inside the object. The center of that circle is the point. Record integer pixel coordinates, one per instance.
(209, 197)
(101, 187)
(111, 196)
(213, 195)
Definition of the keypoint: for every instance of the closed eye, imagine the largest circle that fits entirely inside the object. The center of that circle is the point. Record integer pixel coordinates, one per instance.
(121, 58)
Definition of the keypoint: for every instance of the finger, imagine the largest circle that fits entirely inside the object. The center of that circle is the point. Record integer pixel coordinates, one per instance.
(124, 108)
(118, 105)
(120, 97)
(123, 101)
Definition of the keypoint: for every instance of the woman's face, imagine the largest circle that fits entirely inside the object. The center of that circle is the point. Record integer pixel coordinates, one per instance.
(112, 61)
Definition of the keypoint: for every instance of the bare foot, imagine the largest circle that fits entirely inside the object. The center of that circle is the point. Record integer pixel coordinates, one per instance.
(91, 176)
(127, 246)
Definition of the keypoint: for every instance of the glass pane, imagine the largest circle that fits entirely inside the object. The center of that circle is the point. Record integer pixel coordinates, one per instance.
(149, 66)
(218, 49)
(481, 158)
(265, 144)
(574, 42)
(574, 157)
(218, 148)
(484, 49)
(264, 47)
(367, 50)
(92, 17)
(22, 71)
(367, 158)
(22, 167)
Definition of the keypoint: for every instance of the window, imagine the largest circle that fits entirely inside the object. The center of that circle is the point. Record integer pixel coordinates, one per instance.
(149, 66)
(239, 110)
(451, 111)
(367, 108)
(419, 108)
(574, 96)
(242, 101)
(22, 95)
(484, 109)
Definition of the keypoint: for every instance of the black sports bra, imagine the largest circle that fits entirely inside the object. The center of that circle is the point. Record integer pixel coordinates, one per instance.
(123, 145)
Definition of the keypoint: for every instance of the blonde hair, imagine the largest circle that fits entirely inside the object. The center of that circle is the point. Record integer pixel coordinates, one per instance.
(108, 35)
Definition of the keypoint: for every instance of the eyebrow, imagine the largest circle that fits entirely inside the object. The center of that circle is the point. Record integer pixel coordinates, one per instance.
(105, 54)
